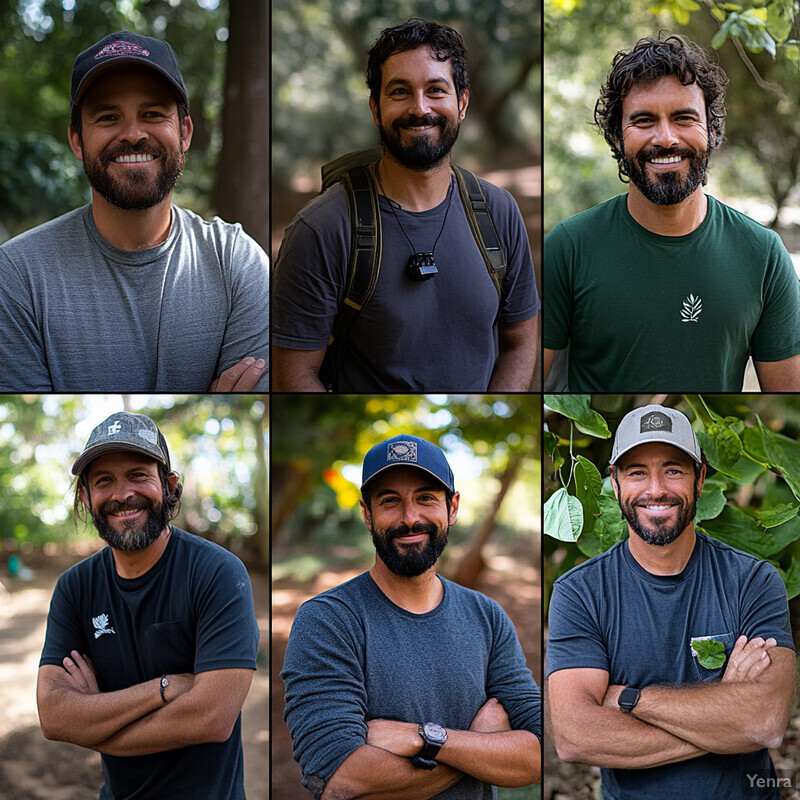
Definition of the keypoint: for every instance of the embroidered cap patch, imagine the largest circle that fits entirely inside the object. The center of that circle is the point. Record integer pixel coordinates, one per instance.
(122, 49)
(402, 451)
(655, 421)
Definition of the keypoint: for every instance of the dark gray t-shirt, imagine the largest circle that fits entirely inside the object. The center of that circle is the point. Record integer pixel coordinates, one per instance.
(611, 614)
(434, 335)
(353, 656)
(78, 314)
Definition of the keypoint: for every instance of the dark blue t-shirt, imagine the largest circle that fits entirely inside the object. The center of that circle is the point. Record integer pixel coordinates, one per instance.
(611, 614)
(353, 655)
(191, 612)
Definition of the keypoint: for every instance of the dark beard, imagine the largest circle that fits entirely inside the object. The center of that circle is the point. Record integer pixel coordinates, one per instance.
(661, 533)
(137, 191)
(423, 153)
(416, 558)
(131, 538)
(667, 189)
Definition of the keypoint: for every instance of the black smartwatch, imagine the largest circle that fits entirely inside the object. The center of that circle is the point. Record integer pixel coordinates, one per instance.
(434, 737)
(628, 699)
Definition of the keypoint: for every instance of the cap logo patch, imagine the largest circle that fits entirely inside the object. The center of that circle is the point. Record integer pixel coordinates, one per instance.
(402, 451)
(122, 49)
(148, 436)
(655, 421)
(115, 427)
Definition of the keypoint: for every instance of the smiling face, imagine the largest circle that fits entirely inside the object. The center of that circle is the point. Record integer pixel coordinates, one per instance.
(409, 519)
(418, 112)
(126, 497)
(665, 139)
(657, 491)
(132, 141)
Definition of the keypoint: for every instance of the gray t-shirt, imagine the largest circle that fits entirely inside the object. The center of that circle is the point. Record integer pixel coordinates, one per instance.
(353, 655)
(433, 335)
(78, 314)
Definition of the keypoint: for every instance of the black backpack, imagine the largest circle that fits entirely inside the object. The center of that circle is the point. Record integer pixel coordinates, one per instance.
(352, 171)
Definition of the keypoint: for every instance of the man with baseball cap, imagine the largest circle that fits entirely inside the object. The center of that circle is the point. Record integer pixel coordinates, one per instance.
(151, 642)
(400, 683)
(631, 685)
(132, 293)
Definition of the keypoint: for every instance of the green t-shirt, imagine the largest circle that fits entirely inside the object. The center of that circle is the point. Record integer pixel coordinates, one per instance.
(643, 312)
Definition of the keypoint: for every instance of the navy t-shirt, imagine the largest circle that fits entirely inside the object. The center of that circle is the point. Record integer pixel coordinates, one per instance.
(611, 614)
(191, 612)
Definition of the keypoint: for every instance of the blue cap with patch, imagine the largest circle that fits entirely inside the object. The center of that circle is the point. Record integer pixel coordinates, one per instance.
(407, 451)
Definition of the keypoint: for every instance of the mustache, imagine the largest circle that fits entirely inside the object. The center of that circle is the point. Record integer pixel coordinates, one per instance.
(666, 152)
(663, 499)
(412, 121)
(115, 506)
(403, 530)
(131, 150)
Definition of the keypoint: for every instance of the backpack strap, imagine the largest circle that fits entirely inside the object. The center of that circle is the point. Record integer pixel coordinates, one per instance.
(482, 225)
(364, 264)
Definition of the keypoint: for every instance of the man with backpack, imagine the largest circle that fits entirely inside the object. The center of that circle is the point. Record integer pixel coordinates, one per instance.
(407, 274)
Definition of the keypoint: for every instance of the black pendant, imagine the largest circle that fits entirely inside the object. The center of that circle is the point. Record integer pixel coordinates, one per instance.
(421, 266)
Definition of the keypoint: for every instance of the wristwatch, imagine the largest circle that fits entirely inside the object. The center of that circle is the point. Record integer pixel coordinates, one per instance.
(434, 737)
(628, 699)
(164, 684)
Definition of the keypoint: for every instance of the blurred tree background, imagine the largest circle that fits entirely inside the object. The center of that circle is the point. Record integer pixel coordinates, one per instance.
(222, 57)
(217, 443)
(319, 538)
(757, 169)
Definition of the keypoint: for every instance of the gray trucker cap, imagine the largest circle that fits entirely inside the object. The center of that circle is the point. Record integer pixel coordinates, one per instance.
(655, 424)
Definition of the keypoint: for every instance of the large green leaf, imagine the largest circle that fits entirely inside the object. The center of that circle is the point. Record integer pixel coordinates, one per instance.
(722, 446)
(609, 528)
(711, 501)
(741, 531)
(777, 515)
(563, 516)
(551, 449)
(588, 486)
(783, 453)
(576, 407)
(791, 577)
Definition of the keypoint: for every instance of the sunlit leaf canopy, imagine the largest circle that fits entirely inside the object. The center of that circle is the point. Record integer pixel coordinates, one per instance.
(213, 443)
(318, 445)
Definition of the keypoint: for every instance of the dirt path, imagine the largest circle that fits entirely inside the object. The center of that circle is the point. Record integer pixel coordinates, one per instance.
(32, 768)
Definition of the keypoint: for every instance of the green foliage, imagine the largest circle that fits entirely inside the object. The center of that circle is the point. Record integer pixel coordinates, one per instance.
(710, 653)
(749, 499)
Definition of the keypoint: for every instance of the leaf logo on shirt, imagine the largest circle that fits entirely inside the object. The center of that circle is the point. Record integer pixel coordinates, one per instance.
(692, 306)
(100, 623)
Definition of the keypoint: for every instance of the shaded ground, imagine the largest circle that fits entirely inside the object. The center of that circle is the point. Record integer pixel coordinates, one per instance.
(32, 768)
(518, 595)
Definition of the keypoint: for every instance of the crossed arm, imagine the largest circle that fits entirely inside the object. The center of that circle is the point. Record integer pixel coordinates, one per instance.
(489, 751)
(135, 721)
(746, 711)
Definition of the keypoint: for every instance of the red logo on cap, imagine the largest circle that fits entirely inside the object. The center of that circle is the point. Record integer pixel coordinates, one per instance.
(122, 49)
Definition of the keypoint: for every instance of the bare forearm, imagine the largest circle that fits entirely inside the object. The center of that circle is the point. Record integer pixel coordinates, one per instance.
(371, 773)
(720, 718)
(605, 737)
(504, 758)
(513, 371)
(88, 719)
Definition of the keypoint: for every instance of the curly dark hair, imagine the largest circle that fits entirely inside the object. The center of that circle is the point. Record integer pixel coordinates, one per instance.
(445, 43)
(650, 59)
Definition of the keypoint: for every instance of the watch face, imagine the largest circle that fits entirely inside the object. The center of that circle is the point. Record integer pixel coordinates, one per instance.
(164, 683)
(435, 733)
(628, 698)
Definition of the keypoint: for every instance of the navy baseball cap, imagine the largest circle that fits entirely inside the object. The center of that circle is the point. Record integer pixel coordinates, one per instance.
(124, 431)
(407, 451)
(125, 47)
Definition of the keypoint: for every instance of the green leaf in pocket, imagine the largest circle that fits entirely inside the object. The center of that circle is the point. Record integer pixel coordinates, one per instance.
(710, 652)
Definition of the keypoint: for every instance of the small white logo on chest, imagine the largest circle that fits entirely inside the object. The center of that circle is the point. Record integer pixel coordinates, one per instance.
(100, 623)
(692, 306)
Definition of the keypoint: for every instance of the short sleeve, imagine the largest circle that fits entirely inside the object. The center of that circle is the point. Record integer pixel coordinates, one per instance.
(557, 312)
(63, 625)
(764, 606)
(575, 640)
(326, 701)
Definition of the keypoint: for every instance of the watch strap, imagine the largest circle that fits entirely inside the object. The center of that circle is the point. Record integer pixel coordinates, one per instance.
(628, 699)
(423, 763)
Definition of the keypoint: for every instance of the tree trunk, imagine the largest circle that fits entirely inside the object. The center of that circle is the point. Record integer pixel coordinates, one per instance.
(242, 180)
(261, 511)
(468, 571)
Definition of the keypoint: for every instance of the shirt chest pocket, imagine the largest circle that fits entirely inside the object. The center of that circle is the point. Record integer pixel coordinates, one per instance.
(170, 647)
(706, 673)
